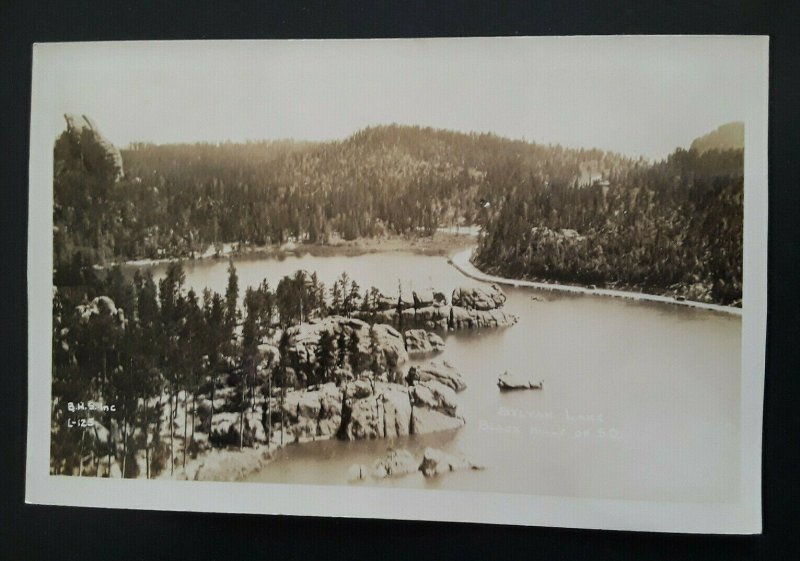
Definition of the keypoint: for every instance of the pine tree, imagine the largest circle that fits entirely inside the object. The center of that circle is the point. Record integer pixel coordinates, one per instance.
(231, 299)
(325, 356)
(353, 352)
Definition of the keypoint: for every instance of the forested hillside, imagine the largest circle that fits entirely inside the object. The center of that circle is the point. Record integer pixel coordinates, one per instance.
(729, 136)
(675, 226)
(382, 180)
(581, 216)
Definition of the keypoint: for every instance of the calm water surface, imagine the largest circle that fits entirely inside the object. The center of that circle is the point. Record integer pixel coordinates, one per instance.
(641, 400)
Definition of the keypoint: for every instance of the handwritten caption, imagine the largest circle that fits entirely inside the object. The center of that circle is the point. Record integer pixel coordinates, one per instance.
(550, 424)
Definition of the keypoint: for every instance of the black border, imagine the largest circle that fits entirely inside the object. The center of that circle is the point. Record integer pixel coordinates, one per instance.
(28, 532)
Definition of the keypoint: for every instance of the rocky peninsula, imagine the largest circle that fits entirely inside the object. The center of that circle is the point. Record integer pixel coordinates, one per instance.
(226, 429)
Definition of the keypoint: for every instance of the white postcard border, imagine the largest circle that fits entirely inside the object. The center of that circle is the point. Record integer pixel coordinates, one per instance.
(743, 516)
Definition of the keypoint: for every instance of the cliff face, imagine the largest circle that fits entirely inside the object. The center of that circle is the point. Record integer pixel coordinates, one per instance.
(96, 150)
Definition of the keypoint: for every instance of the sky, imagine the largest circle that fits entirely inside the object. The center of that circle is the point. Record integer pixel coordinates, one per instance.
(634, 95)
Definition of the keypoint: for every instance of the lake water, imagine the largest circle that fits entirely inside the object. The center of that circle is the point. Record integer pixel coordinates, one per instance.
(640, 400)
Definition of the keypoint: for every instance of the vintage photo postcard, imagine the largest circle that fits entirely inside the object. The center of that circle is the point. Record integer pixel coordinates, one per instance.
(496, 280)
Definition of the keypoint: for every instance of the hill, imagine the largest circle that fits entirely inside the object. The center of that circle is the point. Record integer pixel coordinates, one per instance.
(676, 222)
(176, 199)
(729, 136)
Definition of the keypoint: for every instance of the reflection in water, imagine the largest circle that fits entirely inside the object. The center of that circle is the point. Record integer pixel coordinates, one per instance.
(641, 400)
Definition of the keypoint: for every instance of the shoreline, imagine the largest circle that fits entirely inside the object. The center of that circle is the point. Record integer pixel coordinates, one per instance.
(461, 261)
(230, 464)
(442, 243)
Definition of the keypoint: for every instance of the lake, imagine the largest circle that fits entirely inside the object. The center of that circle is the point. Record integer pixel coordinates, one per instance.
(641, 400)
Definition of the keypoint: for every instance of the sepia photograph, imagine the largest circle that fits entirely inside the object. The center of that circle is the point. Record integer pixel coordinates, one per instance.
(502, 280)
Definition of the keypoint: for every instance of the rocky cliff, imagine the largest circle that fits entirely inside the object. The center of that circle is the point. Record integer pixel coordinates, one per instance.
(470, 307)
(96, 151)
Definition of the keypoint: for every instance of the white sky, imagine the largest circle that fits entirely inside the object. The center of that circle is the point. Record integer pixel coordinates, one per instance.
(635, 95)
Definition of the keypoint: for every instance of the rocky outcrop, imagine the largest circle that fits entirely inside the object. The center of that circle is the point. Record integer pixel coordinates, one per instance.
(478, 297)
(101, 308)
(472, 307)
(419, 341)
(225, 430)
(312, 414)
(357, 472)
(464, 318)
(434, 408)
(444, 318)
(390, 343)
(401, 462)
(395, 463)
(304, 340)
(438, 371)
(96, 151)
(220, 465)
(385, 303)
(436, 462)
(508, 381)
(429, 297)
(433, 317)
(363, 410)
(382, 412)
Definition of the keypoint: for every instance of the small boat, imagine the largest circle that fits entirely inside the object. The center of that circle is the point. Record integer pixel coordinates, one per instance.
(508, 381)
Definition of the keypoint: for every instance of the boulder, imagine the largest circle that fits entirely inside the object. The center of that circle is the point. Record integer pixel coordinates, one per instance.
(391, 344)
(434, 408)
(508, 381)
(225, 430)
(439, 371)
(358, 389)
(381, 316)
(432, 313)
(308, 405)
(330, 414)
(492, 318)
(419, 341)
(357, 472)
(366, 419)
(396, 462)
(330, 398)
(304, 339)
(428, 297)
(435, 395)
(409, 316)
(436, 342)
(396, 411)
(314, 413)
(425, 420)
(289, 405)
(478, 298)
(436, 462)
(386, 412)
(460, 318)
(465, 318)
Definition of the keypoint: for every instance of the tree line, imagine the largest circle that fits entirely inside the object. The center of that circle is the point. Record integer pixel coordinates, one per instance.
(154, 349)
(676, 225)
(175, 200)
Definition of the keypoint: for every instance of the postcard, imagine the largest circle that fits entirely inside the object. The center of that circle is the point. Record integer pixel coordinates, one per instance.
(491, 280)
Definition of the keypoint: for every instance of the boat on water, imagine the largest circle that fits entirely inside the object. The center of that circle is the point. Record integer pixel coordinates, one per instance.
(507, 381)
